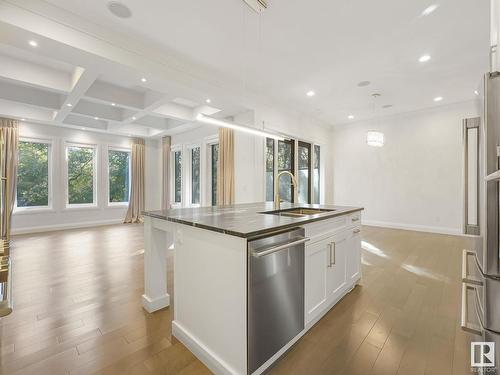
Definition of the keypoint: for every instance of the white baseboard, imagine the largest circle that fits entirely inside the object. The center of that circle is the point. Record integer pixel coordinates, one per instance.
(50, 228)
(214, 363)
(414, 227)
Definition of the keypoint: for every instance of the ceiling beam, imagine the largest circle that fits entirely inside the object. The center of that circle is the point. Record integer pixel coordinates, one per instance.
(81, 81)
(30, 95)
(18, 110)
(35, 75)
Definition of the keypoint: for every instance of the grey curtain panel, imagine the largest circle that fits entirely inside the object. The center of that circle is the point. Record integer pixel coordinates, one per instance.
(225, 178)
(136, 204)
(165, 193)
(9, 137)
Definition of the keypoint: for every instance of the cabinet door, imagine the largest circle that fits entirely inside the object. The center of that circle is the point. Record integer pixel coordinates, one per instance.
(316, 263)
(354, 255)
(336, 273)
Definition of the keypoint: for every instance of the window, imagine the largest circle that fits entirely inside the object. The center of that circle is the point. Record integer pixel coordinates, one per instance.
(304, 172)
(286, 163)
(33, 188)
(81, 175)
(280, 156)
(269, 169)
(119, 176)
(195, 175)
(214, 157)
(177, 176)
(316, 176)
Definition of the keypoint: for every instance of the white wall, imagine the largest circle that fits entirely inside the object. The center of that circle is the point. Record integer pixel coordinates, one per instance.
(59, 216)
(416, 180)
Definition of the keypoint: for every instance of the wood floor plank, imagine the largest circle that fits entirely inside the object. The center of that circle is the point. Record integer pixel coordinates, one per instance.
(78, 310)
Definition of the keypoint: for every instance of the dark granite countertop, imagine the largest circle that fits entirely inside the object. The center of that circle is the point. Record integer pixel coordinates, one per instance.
(245, 220)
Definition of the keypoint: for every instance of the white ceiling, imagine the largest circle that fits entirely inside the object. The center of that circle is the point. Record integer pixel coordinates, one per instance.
(325, 45)
(193, 49)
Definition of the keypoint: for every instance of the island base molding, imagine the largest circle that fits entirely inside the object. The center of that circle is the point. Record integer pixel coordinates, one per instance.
(209, 359)
(154, 304)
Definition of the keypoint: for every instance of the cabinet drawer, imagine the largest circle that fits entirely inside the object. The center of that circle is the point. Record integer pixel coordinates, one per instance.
(321, 229)
(354, 219)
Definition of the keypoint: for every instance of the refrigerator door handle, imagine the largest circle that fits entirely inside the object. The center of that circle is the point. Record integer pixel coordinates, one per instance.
(466, 326)
(466, 278)
(495, 176)
(478, 265)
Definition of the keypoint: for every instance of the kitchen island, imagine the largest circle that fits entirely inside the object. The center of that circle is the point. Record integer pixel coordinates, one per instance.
(250, 281)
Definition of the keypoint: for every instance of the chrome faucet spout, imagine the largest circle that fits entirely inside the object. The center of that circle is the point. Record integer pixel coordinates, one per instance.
(277, 199)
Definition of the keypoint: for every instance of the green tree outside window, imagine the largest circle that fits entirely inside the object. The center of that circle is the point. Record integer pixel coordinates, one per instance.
(119, 176)
(33, 175)
(81, 175)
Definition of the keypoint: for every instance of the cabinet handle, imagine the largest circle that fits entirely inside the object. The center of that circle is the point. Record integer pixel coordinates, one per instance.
(356, 230)
(329, 255)
(355, 218)
(334, 249)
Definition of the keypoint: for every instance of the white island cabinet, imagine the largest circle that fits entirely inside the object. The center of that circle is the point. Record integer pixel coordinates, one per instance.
(211, 273)
(332, 263)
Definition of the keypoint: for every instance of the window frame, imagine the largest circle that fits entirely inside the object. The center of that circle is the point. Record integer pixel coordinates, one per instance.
(50, 201)
(173, 150)
(189, 176)
(320, 172)
(122, 149)
(310, 147)
(207, 168)
(295, 141)
(80, 206)
(275, 155)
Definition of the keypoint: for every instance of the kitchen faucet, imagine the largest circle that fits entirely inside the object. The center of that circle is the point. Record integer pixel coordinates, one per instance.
(277, 199)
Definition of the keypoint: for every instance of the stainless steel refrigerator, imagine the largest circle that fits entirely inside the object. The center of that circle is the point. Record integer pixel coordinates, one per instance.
(481, 265)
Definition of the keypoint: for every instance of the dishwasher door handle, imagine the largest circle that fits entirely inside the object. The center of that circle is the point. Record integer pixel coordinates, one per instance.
(279, 248)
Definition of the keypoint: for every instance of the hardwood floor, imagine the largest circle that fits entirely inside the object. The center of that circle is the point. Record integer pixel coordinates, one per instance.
(77, 310)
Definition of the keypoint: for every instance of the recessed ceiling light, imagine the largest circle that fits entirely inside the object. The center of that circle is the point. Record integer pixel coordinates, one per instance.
(119, 9)
(143, 79)
(430, 9)
(438, 98)
(476, 92)
(310, 93)
(208, 101)
(363, 83)
(96, 118)
(350, 117)
(33, 43)
(134, 118)
(69, 105)
(113, 104)
(387, 106)
(82, 128)
(424, 58)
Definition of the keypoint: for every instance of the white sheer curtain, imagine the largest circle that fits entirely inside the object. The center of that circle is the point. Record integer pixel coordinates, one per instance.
(136, 204)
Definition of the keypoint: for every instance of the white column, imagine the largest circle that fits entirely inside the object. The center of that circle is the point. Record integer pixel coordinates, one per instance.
(156, 242)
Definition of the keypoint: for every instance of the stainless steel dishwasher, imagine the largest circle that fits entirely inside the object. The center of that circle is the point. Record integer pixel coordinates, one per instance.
(275, 293)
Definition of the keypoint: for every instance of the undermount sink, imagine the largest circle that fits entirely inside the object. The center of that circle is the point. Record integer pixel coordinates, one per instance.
(298, 211)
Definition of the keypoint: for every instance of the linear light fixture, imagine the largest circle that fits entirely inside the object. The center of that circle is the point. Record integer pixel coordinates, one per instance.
(231, 125)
